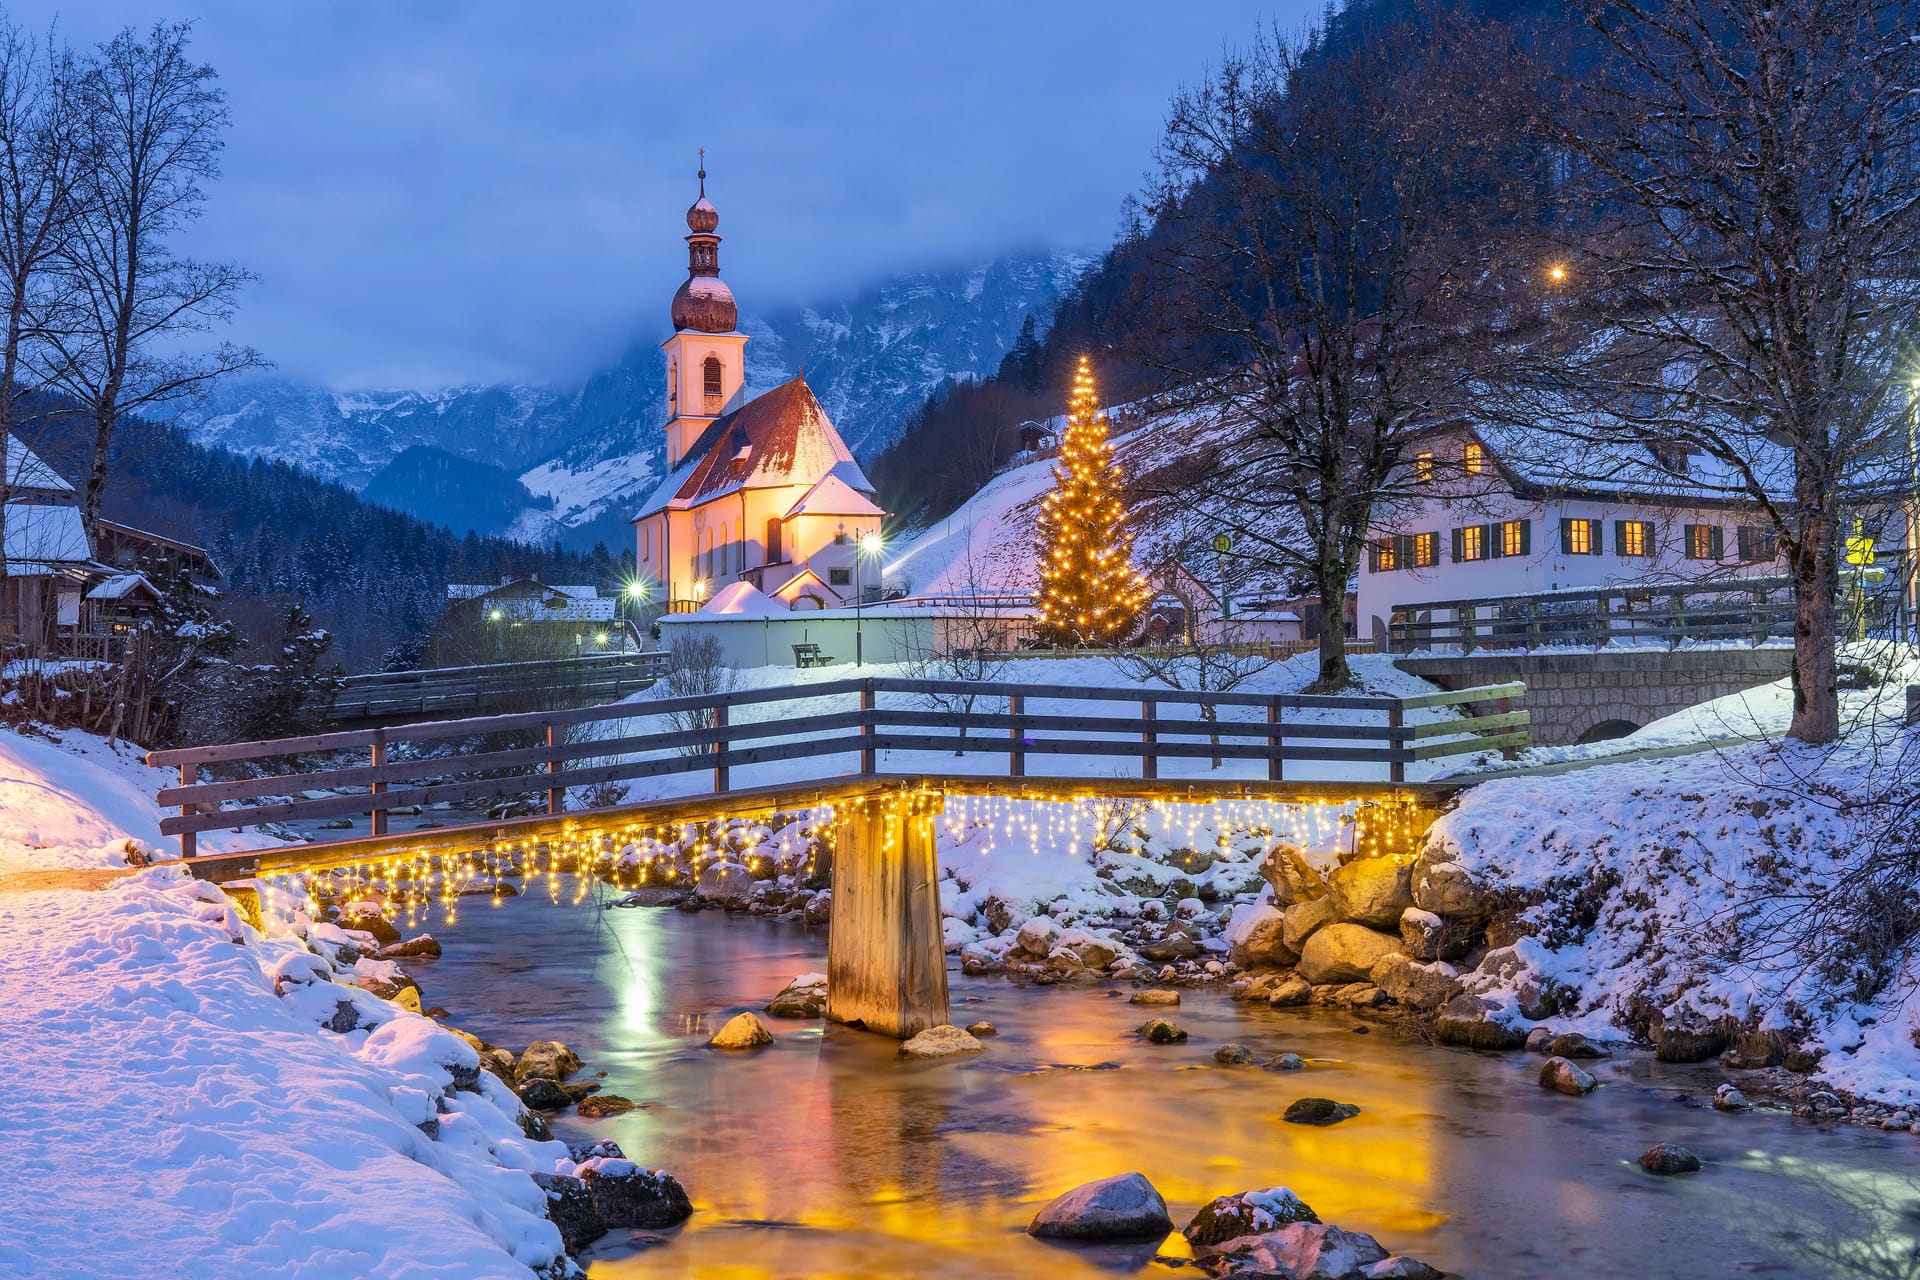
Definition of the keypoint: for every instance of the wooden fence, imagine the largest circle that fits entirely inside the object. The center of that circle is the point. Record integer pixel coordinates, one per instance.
(1751, 609)
(487, 764)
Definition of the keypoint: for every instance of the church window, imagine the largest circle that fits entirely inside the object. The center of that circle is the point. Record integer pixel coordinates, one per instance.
(774, 550)
(710, 374)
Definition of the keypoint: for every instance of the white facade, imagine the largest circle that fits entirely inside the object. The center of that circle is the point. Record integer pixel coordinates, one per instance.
(1509, 529)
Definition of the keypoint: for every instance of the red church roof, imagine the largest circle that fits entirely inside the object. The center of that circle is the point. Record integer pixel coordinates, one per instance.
(777, 439)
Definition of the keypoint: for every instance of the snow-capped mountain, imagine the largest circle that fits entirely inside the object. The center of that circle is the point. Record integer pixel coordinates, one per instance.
(587, 453)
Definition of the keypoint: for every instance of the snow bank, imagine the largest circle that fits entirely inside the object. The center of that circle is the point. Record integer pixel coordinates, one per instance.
(167, 1113)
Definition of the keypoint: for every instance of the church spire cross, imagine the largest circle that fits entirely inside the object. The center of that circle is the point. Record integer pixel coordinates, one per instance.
(703, 173)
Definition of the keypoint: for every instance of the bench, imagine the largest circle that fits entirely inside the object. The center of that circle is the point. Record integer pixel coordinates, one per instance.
(809, 655)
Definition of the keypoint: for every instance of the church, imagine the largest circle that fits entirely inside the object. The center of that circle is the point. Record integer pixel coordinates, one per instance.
(763, 507)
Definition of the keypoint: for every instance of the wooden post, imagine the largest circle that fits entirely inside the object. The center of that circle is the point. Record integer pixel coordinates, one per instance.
(721, 774)
(886, 957)
(1533, 624)
(869, 758)
(1149, 740)
(1016, 735)
(1396, 720)
(1275, 739)
(378, 811)
(555, 799)
(189, 840)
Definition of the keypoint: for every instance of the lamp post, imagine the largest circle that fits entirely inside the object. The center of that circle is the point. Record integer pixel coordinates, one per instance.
(634, 593)
(870, 544)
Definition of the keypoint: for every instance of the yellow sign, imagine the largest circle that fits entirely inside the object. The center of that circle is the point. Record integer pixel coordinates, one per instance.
(1859, 550)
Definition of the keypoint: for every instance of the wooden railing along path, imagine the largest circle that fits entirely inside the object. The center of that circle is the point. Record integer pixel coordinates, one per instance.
(485, 763)
(1754, 610)
(444, 691)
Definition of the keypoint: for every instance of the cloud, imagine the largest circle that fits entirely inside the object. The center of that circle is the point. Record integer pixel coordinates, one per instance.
(437, 193)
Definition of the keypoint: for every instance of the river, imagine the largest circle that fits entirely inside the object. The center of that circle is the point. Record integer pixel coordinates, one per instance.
(825, 1155)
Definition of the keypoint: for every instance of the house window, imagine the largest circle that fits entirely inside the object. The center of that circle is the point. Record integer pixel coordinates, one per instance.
(1757, 542)
(1425, 550)
(1633, 537)
(1579, 537)
(1704, 542)
(1423, 466)
(710, 376)
(1470, 543)
(839, 577)
(1516, 538)
(1385, 554)
(1476, 458)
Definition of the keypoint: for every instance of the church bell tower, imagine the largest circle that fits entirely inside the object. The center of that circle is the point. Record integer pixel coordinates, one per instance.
(705, 355)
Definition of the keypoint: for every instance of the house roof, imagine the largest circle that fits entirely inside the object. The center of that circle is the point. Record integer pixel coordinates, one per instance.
(122, 585)
(774, 440)
(26, 469)
(802, 580)
(1545, 461)
(833, 496)
(553, 608)
(43, 539)
(742, 600)
(191, 551)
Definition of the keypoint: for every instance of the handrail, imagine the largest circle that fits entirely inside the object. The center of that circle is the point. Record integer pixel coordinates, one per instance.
(705, 737)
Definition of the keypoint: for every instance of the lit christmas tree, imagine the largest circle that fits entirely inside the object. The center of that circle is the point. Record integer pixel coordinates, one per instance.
(1090, 593)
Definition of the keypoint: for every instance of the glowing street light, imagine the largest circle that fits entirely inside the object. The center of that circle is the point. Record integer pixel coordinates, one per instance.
(870, 546)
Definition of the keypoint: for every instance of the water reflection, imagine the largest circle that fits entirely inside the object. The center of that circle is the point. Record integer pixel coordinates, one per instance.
(824, 1155)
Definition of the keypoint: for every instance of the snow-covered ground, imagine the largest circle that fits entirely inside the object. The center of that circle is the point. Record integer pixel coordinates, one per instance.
(168, 1114)
(1692, 888)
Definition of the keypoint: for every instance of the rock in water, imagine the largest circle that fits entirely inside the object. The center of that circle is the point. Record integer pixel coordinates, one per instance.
(628, 1196)
(1233, 1055)
(804, 997)
(1559, 1074)
(543, 1094)
(1669, 1158)
(1320, 1111)
(1574, 1045)
(1416, 985)
(743, 1031)
(1302, 1250)
(1123, 1205)
(943, 1041)
(604, 1104)
(1687, 1041)
(1539, 1038)
(1160, 1031)
(982, 1029)
(1291, 993)
(1728, 1098)
(1154, 996)
(1251, 1212)
(570, 1208)
(421, 948)
(1401, 1267)
(546, 1058)
(1286, 1062)
(1475, 1023)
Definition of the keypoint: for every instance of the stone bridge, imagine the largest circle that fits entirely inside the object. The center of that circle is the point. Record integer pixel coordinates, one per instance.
(1590, 696)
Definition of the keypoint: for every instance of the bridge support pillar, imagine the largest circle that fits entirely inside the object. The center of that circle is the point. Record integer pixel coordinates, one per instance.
(886, 956)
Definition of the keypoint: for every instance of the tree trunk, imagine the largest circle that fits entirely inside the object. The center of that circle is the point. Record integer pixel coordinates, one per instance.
(1816, 577)
(1334, 671)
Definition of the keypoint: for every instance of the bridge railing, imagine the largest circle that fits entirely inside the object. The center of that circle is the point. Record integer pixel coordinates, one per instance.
(453, 690)
(1753, 610)
(882, 723)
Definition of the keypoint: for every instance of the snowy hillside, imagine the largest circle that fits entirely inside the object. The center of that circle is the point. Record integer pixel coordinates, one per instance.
(590, 449)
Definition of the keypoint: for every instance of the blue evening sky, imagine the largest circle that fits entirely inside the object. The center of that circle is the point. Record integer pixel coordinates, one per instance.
(434, 191)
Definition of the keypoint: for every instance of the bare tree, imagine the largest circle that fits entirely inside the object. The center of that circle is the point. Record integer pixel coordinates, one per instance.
(1324, 217)
(42, 163)
(1753, 163)
(153, 123)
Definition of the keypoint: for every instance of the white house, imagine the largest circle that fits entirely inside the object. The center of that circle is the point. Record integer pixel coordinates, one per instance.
(1501, 512)
(761, 491)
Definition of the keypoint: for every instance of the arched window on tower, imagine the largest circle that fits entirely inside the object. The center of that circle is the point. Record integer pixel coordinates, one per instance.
(711, 383)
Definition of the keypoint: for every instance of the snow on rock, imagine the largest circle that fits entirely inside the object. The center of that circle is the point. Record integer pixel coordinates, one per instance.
(225, 1131)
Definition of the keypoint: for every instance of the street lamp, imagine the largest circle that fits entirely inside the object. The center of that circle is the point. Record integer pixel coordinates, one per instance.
(634, 593)
(870, 545)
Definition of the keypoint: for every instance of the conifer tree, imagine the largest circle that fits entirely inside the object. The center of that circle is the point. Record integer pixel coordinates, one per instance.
(1090, 593)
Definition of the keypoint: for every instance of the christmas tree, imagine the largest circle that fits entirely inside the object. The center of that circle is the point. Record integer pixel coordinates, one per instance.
(1090, 592)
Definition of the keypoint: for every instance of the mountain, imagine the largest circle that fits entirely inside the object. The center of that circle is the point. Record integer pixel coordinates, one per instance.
(588, 453)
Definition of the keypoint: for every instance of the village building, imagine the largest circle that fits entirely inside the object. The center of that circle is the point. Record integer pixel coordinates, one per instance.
(1498, 514)
(524, 620)
(761, 490)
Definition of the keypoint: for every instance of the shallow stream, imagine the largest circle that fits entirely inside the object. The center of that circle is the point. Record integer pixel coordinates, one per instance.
(824, 1155)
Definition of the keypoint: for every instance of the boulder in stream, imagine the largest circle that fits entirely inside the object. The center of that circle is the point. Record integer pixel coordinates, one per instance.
(604, 1104)
(628, 1196)
(570, 1207)
(1233, 1055)
(1302, 1251)
(1249, 1213)
(546, 1058)
(1564, 1077)
(742, 1031)
(1572, 1044)
(804, 997)
(1319, 1111)
(543, 1094)
(1156, 996)
(943, 1041)
(1728, 1098)
(1125, 1205)
(1668, 1157)
(1161, 1031)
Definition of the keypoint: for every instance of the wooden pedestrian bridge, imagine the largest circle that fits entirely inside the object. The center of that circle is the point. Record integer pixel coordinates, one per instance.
(884, 754)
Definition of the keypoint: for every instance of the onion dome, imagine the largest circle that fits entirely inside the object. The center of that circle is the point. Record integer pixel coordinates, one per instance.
(705, 304)
(701, 215)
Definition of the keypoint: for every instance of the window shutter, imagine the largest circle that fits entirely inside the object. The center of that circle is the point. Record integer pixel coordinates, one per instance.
(1373, 557)
(1719, 542)
(1690, 541)
(1619, 537)
(1566, 536)
(1526, 537)
(1650, 537)
(1593, 536)
(1459, 545)
(1490, 541)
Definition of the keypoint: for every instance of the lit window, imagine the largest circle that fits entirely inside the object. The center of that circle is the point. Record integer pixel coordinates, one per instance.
(1513, 538)
(1703, 542)
(1426, 550)
(1423, 466)
(1385, 559)
(1576, 537)
(1636, 538)
(1472, 543)
(1476, 458)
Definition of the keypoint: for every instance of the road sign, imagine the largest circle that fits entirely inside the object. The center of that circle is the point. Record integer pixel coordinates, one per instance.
(1222, 543)
(1859, 550)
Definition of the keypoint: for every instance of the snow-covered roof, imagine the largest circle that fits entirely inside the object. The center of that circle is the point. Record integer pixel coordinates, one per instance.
(42, 539)
(27, 470)
(833, 497)
(554, 608)
(1550, 460)
(578, 591)
(122, 585)
(774, 440)
(1266, 615)
(742, 600)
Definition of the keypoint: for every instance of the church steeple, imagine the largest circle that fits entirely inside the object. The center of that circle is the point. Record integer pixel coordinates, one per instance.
(703, 302)
(705, 370)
